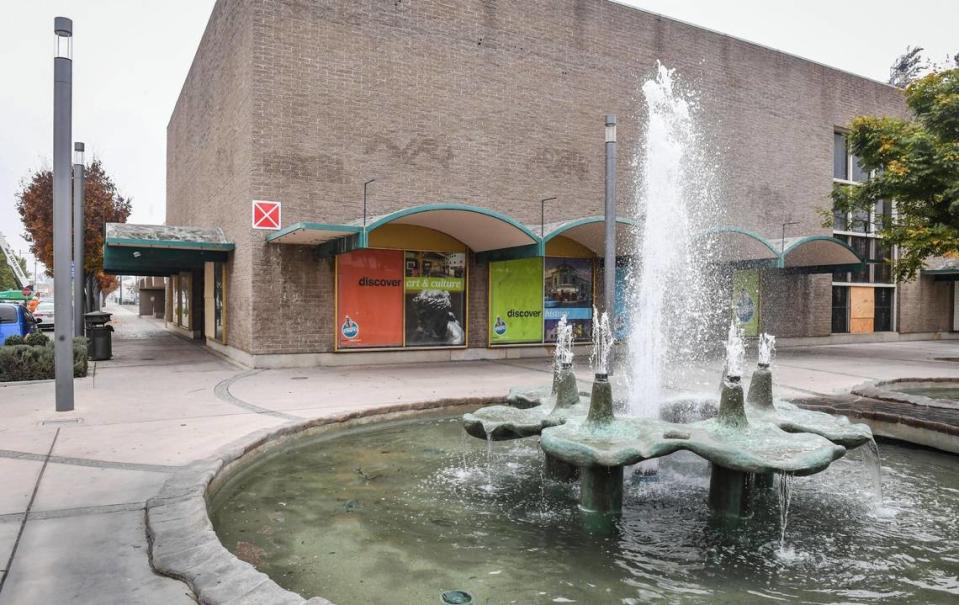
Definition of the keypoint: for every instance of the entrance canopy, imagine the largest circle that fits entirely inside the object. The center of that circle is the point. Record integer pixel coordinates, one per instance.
(157, 250)
(942, 268)
(590, 232)
(481, 229)
(806, 254)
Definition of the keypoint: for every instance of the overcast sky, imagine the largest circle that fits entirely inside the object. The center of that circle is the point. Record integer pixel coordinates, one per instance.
(131, 56)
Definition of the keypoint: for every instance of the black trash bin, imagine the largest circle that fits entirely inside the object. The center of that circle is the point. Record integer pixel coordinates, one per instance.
(99, 335)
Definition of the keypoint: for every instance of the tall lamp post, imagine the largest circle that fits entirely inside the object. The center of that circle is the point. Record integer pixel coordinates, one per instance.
(542, 216)
(62, 137)
(364, 200)
(609, 256)
(78, 239)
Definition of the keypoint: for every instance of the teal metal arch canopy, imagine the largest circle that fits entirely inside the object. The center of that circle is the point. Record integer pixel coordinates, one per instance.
(590, 231)
(736, 245)
(805, 254)
(817, 254)
(481, 229)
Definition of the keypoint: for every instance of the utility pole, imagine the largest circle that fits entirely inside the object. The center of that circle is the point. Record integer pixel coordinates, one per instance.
(62, 137)
(78, 239)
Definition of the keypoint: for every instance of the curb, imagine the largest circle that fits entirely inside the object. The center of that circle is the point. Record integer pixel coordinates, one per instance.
(182, 542)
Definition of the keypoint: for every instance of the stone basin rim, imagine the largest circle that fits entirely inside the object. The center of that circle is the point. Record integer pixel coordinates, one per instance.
(182, 542)
(885, 390)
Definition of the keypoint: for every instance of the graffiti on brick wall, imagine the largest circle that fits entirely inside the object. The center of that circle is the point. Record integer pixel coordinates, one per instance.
(562, 162)
(322, 167)
(419, 151)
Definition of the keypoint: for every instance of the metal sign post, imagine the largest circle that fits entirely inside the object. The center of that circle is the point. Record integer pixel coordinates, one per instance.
(62, 138)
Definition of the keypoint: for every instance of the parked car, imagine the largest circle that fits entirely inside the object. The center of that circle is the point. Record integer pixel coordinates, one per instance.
(44, 315)
(15, 320)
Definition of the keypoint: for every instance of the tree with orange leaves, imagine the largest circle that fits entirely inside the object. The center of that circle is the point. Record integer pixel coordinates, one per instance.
(102, 204)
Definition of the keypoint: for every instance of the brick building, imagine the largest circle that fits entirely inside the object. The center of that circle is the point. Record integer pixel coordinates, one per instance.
(467, 114)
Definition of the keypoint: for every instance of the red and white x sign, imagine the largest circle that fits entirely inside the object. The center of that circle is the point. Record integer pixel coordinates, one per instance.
(266, 215)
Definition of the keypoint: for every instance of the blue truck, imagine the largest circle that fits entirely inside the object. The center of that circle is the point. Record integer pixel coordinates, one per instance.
(15, 320)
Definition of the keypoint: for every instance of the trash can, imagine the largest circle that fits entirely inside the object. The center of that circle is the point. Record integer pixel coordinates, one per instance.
(99, 335)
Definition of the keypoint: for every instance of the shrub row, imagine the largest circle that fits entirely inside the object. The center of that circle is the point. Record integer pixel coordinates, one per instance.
(31, 358)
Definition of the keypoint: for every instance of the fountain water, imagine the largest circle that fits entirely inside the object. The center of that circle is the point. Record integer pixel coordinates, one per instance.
(670, 296)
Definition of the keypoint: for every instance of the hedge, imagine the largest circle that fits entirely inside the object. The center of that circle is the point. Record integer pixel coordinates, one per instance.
(35, 362)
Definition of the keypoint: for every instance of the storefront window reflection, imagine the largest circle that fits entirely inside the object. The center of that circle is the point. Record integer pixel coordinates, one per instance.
(435, 288)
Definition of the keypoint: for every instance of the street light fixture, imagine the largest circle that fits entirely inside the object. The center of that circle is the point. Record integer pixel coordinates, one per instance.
(62, 138)
(542, 215)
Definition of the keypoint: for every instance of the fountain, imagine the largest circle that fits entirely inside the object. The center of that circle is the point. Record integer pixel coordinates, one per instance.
(745, 444)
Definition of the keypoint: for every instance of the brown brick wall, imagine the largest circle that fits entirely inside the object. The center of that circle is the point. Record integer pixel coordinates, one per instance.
(209, 151)
(496, 104)
(925, 305)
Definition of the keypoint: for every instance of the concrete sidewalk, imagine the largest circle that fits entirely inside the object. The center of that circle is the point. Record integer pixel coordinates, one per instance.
(75, 485)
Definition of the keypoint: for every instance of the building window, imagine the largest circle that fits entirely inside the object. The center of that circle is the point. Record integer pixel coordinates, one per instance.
(840, 157)
(883, 309)
(218, 296)
(840, 309)
(858, 229)
(846, 166)
(185, 292)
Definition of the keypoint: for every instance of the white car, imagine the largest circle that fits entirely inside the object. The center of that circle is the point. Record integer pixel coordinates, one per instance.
(44, 315)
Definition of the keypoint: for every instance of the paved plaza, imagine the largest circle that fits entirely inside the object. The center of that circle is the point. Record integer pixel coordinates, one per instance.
(75, 485)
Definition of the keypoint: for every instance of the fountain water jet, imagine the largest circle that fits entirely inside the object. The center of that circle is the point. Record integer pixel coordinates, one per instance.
(670, 298)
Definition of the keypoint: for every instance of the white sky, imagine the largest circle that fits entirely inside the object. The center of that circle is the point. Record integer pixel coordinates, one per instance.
(131, 56)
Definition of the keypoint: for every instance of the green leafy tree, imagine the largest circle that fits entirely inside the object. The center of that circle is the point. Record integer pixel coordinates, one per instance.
(8, 281)
(916, 164)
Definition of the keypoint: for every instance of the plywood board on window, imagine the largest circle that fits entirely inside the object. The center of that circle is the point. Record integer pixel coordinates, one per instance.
(862, 310)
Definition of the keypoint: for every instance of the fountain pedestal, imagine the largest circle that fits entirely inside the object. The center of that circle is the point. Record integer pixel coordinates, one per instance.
(557, 470)
(601, 489)
(729, 492)
(761, 388)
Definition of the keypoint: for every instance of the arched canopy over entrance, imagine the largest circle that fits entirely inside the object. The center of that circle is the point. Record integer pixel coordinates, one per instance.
(481, 229)
(590, 232)
(806, 254)
(817, 254)
(739, 246)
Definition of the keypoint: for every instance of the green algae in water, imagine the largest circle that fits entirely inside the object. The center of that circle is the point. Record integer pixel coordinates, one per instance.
(406, 510)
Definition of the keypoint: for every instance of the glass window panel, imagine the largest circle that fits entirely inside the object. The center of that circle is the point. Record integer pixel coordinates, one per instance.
(859, 174)
(883, 310)
(882, 214)
(859, 221)
(839, 220)
(218, 301)
(840, 298)
(861, 246)
(841, 276)
(840, 165)
(882, 270)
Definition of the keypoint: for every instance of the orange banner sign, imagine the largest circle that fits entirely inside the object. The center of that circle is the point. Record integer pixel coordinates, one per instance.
(370, 291)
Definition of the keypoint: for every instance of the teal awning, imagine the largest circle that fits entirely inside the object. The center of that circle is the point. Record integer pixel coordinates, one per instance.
(590, 232)
(482, 230)
(805, 254)
(156, 250)
(942, 268)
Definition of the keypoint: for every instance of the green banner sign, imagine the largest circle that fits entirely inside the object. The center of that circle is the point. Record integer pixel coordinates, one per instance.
(516, 301)
(745, 301)
(450, 284)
